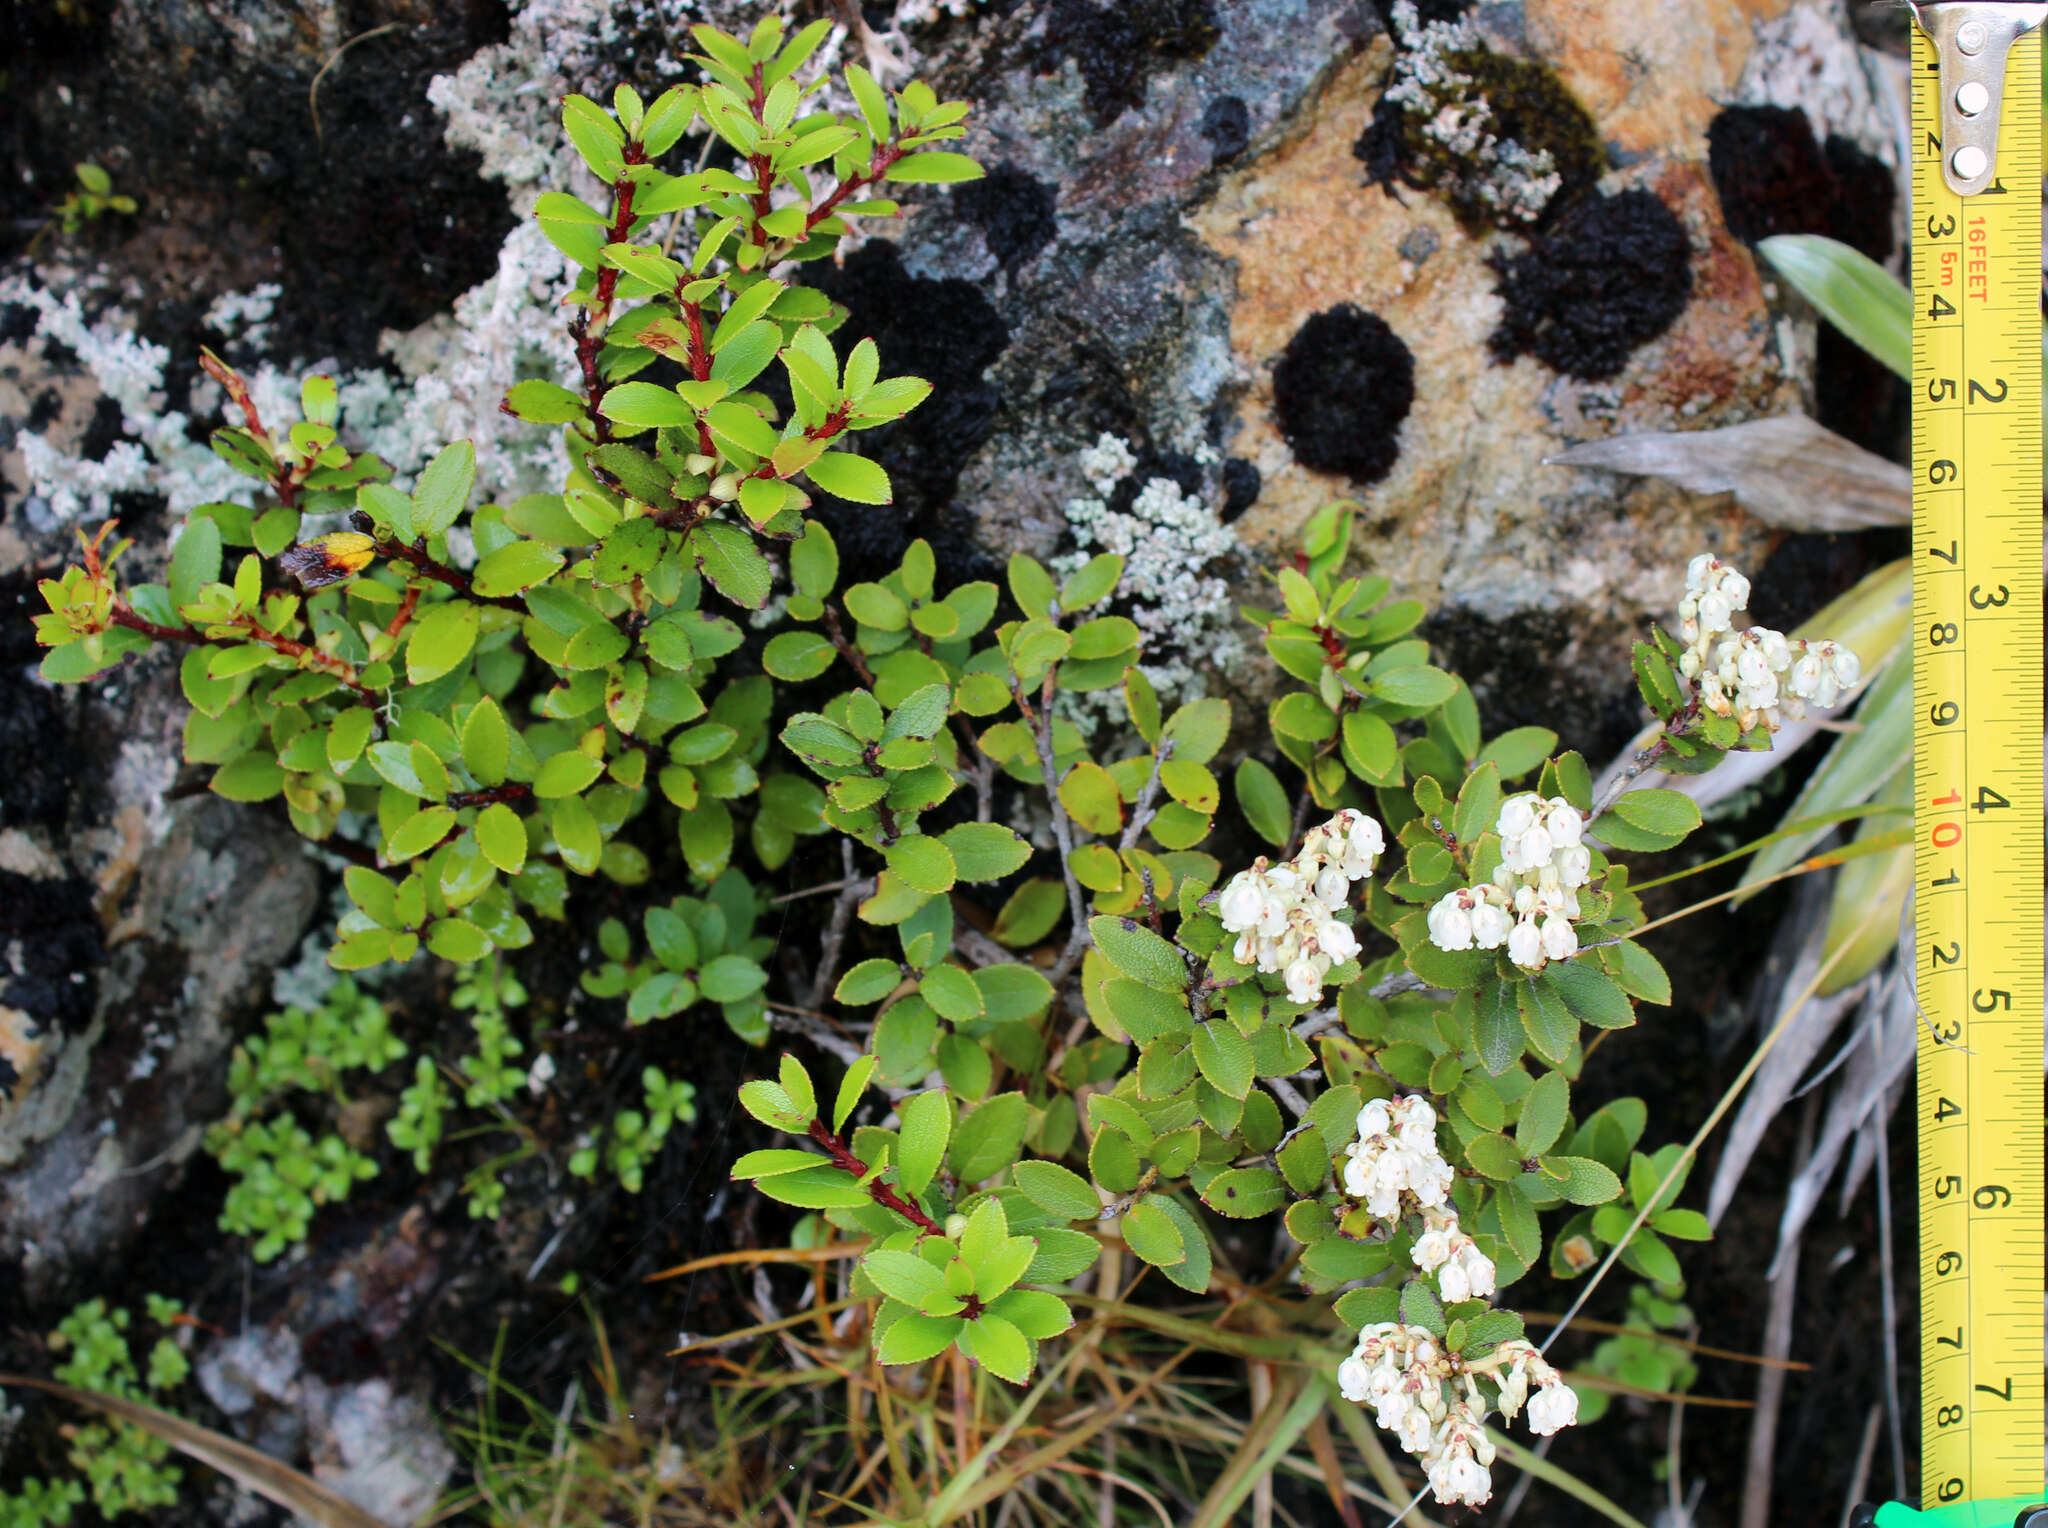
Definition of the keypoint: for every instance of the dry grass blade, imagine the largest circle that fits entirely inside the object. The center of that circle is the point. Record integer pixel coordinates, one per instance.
(836, 1252)
(1279, 1423)
(1878, 1057)
(1791, 471)
(239, 1462)
(987, 1489)
(1670, 1339)
(1797, 951)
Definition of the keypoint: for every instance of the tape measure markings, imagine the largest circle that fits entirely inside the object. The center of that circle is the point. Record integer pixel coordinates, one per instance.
(1977, 456)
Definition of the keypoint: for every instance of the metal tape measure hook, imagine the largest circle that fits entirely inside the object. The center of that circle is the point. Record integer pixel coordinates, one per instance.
(1971, 40)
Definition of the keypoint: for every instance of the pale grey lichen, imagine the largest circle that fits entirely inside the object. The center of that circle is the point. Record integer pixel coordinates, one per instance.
(1173, 546)
(1499, 172)
(158, 454)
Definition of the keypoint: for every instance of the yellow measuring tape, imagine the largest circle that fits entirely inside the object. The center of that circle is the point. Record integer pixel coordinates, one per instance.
(1977, 612)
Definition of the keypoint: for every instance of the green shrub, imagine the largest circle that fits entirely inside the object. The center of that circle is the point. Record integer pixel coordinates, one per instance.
(1375, 1040)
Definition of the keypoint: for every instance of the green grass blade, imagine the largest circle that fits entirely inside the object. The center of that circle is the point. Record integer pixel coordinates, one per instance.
(1851, 290)
(1855, 770)
(1528, 1459)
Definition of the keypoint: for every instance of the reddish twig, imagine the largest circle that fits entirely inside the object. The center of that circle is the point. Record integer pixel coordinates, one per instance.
(309, 657)
(237, 391)
(285, 479)
(416, 556)
(843, 1158)
(588, 342)
(846, 649)
(406, 607)
(885, 155)
(700, 368)
(490, 796)
(121, 615)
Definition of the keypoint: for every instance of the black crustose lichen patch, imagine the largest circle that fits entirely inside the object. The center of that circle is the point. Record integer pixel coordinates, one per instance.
(1227, 124)
(1524, 105)
(1769, 171)
(50, 950)
(1773, 176)
(1865, 197)
(1118, 44)
(1013, 210)
(1242, 481)
(1613, 274)
(1426, 11)
(1340, 391)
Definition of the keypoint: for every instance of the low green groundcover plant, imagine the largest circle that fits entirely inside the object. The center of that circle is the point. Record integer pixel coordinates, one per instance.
(1100, 1036)
(121, 1467)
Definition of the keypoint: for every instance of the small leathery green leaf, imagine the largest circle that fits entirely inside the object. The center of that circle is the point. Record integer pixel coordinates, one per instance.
(502, 837)
(439, 640)
(486, 743)
(926, 1127)
(1143, 956)
(1056, 1189)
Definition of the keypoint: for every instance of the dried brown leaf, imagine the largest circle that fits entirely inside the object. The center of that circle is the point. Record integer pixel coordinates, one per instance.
(1789, 471)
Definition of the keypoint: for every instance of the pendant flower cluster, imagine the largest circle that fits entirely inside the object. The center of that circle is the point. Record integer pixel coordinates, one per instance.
(1431, 1401)
(1462, 1271)
(1284, 915)
(1758, 676)
(1534, 894)
(1553, 1406)
(1396, 1152)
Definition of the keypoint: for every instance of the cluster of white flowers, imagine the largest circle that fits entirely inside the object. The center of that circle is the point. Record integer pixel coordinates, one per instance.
(1396, 1153)
(1418, 1394)
(1430, 1400)
(1447, 107)
(1756, 675)
(1462, 1271)
(1516, 1365)
(1284, 915)
(1534, 894)
(1170, 542)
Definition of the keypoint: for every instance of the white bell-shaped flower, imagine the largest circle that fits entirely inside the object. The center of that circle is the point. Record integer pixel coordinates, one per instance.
(1242, 906)
(1490, 925)
(1450, 922)
(1517, 816)
(1574, 865)
(1336, 940)
(1560, 939)
(1553, 1407)
(1353, 1376)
